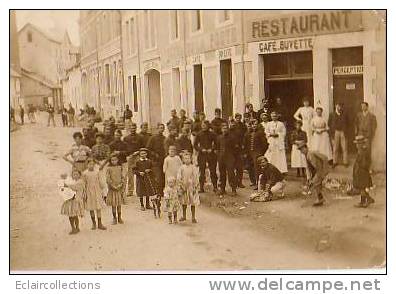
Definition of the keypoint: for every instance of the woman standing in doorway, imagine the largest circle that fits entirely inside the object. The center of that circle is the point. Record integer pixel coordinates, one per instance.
(320, 140)
(305, 114)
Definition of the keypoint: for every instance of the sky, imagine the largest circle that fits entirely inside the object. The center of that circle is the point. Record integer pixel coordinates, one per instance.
(52, 22)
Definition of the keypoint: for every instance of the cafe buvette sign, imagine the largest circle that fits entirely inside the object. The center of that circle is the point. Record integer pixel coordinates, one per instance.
(304, 24)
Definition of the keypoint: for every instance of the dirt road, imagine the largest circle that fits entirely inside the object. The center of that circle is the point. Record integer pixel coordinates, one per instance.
(284, 234)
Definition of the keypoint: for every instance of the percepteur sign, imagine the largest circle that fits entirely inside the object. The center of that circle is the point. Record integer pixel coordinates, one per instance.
(286, 45)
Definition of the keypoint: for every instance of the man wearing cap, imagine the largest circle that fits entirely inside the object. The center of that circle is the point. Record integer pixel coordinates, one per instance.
(255, 145)
(171, 139)
(317, 169)
(264, 109)
(196, 124)
(338, 124)
(271, 180)
(276, 132)
(239, 135)
(183, 142)
(226, 146)
(119, 147)
(134, 143)
(127, 114)
(362, 181)
(217, 122)
(174, 121)
(204, 144)
(108, 135)
(144, 133)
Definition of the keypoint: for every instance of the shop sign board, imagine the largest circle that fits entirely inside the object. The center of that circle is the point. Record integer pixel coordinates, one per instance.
(286, 45)
(225, 53)
(348, 70)
(303, 24)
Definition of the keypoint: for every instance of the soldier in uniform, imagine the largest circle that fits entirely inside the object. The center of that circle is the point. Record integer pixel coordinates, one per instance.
(144, 133)
(183, 143)
(171, 139)
(217, 122)
(226, 148)
(134, 143)
(255, 145)
(204, 144)
(239, 135)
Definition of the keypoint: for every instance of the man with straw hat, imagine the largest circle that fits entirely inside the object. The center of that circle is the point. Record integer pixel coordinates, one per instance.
(361, 172)
(317, 169)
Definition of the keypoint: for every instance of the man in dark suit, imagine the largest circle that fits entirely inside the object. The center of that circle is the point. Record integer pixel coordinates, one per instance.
(255, 145)
(366, 125)
(204, 144)
(226, 148)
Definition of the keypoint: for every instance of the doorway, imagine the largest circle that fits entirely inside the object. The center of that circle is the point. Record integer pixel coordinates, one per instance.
(291, 92)
(226, 88)
(198, 88)
(153, 88)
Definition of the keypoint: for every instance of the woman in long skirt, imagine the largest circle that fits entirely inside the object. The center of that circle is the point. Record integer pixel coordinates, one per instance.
(305, 114)
(320, 141)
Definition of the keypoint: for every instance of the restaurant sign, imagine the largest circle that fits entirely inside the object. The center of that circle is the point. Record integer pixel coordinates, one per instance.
(286, 45)
(303, 24)
(348, 70)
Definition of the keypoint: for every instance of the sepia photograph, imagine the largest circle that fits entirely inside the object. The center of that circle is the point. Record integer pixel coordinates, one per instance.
(197, 140)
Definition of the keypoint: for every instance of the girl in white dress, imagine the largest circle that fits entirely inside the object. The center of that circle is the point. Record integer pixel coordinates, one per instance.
(320, 140)
(305, 114)
(276, 132)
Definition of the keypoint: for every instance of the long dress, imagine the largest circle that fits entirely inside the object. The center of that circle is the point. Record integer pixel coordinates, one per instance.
(75, 206)
(115, 183)
(188, 184)
(146, 184)
(306, 114)
(276, 153)
(320, 142)
(172, 203)
(94, 190)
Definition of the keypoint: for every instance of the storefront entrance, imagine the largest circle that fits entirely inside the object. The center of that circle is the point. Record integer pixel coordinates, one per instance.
(291, 92)
(226, 88)
(198, 88)
(348, 84)
(153, 88)
(288, 76)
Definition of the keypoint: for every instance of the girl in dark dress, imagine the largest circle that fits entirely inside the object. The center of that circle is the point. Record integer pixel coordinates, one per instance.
(145, 181)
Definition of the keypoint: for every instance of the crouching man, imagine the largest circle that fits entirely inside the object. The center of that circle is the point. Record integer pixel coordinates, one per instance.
(271, 181)
(317, 170)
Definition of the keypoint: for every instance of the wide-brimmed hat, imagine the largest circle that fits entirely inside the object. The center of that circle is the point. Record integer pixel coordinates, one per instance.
(143, 149)
(300, 144)
(99, 135)
(360, 139)
(261, 158)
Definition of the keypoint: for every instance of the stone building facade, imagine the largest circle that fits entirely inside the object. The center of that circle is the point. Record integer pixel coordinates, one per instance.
(203, 59)
(101, 67)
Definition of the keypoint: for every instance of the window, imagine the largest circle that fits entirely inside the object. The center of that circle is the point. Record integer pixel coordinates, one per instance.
(127, 33)
(174, 24)
(115, 82)
(135, 97)
(196, 24)
(132, 36)
(107, 79)
(30, 37)
(129, 88)
(149, 30)
(224, 16)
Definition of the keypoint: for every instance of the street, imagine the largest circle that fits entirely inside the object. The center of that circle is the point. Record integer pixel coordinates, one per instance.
(231, 234)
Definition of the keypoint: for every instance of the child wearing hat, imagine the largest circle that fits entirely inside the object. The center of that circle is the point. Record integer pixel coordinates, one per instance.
(361, 172)
(115, 182)
(146, 186)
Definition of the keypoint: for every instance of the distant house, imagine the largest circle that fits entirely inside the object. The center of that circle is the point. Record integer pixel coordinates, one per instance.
(40, 60)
